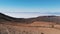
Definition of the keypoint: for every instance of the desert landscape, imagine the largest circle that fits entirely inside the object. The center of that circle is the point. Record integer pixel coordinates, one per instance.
(36, 25)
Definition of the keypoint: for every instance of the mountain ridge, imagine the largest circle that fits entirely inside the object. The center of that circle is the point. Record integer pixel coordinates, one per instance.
(4, 18)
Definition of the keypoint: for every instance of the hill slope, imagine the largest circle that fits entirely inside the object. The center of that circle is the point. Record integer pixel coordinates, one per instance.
(5, 18)
(9, 29)
(37, 25)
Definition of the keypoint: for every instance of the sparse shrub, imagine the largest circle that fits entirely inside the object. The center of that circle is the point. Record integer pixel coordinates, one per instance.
(0, 32)
(27, 33)
(42, 33)
(52, 26)
(4, 33)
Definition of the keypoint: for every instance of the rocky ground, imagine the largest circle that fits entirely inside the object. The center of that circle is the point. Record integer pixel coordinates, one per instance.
(29, 29)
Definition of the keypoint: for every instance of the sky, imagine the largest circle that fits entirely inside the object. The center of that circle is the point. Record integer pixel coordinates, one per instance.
(29, 8)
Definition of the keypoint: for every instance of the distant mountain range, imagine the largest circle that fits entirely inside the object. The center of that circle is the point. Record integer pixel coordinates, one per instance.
(5, 18)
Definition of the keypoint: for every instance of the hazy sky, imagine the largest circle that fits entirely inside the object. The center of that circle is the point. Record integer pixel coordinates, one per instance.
(24, 8)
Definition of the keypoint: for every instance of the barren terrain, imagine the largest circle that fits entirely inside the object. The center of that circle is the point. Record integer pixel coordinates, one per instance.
(34, 28)
(37, 25)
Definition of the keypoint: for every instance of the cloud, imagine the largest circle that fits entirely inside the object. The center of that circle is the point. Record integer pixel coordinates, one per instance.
(25, 14)
(30, 12)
